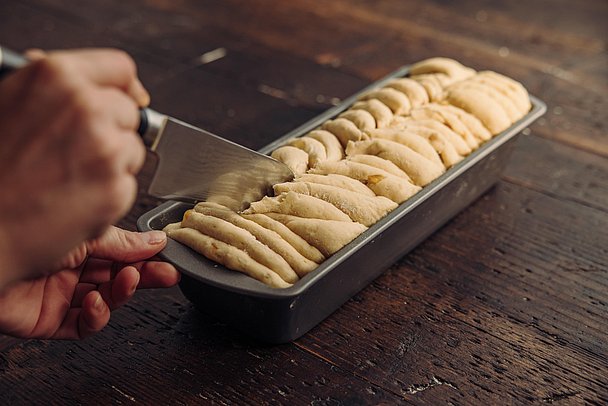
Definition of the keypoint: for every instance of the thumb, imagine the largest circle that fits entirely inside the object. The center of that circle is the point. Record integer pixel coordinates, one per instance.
(120, 245)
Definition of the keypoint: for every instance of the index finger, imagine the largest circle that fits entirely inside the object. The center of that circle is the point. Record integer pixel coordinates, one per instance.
(108, 67)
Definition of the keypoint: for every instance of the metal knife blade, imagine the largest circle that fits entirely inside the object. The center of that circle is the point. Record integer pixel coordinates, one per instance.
(196, 165)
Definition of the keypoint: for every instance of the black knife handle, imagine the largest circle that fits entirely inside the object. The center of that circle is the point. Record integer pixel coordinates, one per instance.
(149, 120)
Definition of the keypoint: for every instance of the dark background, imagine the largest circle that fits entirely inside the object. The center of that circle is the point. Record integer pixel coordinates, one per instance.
(505, 304)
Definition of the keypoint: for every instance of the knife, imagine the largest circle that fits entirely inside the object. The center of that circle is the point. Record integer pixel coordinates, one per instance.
(194, 164)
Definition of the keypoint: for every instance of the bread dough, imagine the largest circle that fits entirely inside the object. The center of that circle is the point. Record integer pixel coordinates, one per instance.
(296, 204)
(333, 149)
(239, 238)
(450, 67)
(412, 89)
(380, 163)
(295, 158)
(381, 182)
(356, 168)
(420, 169)
(473, 124)
(363, 119)
(328, 236)
(366, 210)
(482, 106)
(345, 130)
(300, 264)
(394, 99)
(505, 102)
(340, 181)
(301, 245)
(315, 149)
(513, 89)
(446, 151)
(222, 253)
(449, 119)
(409, 139)
(427, 127)
(381, 112)
(432, 86)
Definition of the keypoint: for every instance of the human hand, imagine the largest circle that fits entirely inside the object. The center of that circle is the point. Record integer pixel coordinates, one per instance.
(97, 277)
(69, 154)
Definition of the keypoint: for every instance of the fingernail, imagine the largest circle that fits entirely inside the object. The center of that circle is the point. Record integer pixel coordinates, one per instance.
(155, 237)
(99, 304)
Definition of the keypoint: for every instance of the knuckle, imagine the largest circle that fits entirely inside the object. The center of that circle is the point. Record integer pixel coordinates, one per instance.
(124, 61)
(108, 151)
(85, 107)
(50, 69)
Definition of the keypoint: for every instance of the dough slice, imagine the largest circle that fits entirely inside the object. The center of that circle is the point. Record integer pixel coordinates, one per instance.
(454, 69)
(515, 90)
(366, 210)
(481, 106)
(340, 181)
(333, 149)
(294, 158)
(381, 182)
(423, 127)
(328, 236)
(449, 119)
(446, 151)
(473, 124)
(301, 264)
(412, 89)
(297, 204)
(345, 130)
(292, 238)
(421, 170)
(505, 102)
(363, 119)
(432, 86)
(381, 112)
(240, 238)
(394, 99)
(315, 149)
(222, 253)
(380, 163)
(409, 139)
(440, 78)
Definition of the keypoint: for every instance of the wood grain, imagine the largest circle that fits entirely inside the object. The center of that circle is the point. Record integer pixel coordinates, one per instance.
(507, 303)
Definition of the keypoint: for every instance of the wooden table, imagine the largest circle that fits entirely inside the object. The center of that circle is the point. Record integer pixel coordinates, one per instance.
(508, 303)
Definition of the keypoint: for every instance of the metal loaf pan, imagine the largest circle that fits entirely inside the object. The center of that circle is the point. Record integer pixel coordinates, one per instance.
(282, 315)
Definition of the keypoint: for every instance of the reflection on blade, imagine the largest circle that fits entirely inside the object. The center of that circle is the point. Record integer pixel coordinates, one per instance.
(196, 165)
